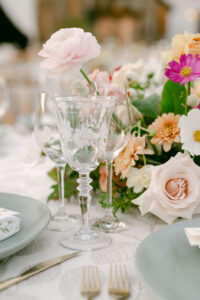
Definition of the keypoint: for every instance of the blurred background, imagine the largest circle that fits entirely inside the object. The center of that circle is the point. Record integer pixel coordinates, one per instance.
(127, 30)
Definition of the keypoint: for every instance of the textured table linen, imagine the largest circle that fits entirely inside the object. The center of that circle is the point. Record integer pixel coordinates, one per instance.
(62, 281)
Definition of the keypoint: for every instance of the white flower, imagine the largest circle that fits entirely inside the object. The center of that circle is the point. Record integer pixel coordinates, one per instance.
(190, 131)
(139, 178)
(120, 75)
(79, 88)
(193, 100)
(153, 66)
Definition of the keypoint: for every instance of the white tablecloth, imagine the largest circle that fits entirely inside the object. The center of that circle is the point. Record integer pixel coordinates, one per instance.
(62, 281)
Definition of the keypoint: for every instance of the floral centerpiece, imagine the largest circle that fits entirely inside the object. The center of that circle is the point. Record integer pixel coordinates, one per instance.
(158, 170)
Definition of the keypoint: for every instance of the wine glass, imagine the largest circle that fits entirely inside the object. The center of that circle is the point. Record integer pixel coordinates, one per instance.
(47, 136)
(118, 138)
(83, 124)
(4, 98)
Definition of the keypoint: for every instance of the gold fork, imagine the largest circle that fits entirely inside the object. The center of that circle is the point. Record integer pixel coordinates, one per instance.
(90, 287)
(118, 284)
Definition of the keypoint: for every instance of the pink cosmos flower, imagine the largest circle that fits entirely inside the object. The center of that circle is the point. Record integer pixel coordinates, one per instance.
(68, 49)
(188, 69)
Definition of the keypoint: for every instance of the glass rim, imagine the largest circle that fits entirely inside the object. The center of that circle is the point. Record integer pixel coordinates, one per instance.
(85, 99)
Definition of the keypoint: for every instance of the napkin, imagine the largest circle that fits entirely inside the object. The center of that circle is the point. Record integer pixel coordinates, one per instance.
(193, 235)
(9, 223)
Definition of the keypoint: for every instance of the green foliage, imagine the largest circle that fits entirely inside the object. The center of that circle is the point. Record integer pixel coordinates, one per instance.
(70, 185)
(173, 98)
(122, 199)
(149, 106)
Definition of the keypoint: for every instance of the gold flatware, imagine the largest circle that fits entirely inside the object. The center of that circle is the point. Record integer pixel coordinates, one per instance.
(118, 284)
(35, 270)
(90, 287)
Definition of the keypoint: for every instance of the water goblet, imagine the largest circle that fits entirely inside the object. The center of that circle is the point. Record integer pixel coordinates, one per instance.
(47, 136)
(118, 138)
(83, 124)
(4, 97)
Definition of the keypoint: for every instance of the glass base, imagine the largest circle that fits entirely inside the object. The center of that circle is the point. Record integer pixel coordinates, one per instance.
(86, 241)
(110, 224)
(61, 222)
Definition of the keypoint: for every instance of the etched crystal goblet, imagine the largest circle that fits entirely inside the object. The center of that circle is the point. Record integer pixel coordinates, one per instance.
(83, 124)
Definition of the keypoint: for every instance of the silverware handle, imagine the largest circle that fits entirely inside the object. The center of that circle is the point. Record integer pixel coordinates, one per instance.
(5, 284)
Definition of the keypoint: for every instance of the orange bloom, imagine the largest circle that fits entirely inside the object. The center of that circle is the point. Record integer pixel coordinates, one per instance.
(103, 178)
(129, 154)
(167, 130)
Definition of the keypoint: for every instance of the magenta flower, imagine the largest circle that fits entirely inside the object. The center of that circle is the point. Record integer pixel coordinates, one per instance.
(188, 69)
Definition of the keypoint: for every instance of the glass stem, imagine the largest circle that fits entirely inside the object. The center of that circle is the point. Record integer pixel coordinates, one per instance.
(61, 175)
(84, 199)
(109, 210)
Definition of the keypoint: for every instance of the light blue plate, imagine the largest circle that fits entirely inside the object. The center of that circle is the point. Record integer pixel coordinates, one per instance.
(169, 265)
(34, 217)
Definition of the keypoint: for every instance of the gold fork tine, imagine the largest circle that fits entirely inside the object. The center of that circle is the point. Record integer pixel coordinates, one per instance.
(121, 282)
(126, 279)
(110, 279)
(83, 279)
(118, 284)
(97, 278)
(90, 286)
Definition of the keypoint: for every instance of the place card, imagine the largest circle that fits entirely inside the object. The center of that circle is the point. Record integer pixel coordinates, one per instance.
(7, 212)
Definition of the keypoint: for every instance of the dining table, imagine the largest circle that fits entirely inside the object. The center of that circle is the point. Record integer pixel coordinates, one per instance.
(63, 281)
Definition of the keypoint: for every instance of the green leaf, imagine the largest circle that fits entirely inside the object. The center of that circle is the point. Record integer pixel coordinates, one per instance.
(149, 106)
(53, 174)
(173, 96)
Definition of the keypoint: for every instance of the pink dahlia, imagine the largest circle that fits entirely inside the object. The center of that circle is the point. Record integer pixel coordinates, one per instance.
(188, 69)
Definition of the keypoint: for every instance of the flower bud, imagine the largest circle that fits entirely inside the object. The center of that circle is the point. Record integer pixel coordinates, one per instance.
(193, 100)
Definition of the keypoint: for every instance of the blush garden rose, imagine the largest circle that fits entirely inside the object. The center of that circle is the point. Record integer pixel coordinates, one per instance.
(68, 49)
(174, 190)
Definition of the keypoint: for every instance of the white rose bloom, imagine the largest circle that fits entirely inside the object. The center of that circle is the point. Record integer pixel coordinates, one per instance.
(139, 178)
(193, 100)
(120, 75)
(79, 88)
(190, 131)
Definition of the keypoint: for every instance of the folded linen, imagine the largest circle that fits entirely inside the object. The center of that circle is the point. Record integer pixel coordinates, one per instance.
(9, 223)
(193, 235)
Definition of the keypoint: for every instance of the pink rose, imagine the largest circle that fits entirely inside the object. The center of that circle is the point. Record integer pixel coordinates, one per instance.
(68, 49)
(101, 79)
(174, 190)
(106, 87)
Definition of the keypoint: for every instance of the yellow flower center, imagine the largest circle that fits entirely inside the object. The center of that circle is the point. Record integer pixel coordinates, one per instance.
(197, 136)
(186, 71)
